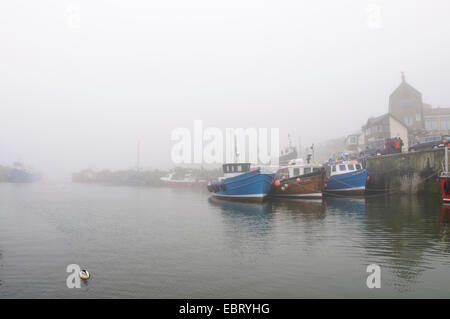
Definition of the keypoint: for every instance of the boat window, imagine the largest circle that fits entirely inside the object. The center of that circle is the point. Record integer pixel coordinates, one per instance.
(333, 168)
(342, 167)
(307, 170)
(239, 168)
(315, 169)
(351, 167)
(296, 171)
(358, 166)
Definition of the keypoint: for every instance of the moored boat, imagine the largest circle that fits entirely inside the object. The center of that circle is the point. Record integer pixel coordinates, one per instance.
(242, 182)
(346, 178)
(299, 180)
(444, 179)
(188, 180)
(21, 174)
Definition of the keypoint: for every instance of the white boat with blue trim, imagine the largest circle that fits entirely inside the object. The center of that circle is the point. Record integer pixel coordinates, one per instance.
(347, 177)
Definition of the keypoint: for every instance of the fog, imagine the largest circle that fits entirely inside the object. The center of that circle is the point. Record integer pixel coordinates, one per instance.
(82, 81)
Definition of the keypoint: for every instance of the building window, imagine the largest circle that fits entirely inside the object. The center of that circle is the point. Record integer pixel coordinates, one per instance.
(431, 124)
(408, 120)
(445, 123)
(352, 140)
(418, 117)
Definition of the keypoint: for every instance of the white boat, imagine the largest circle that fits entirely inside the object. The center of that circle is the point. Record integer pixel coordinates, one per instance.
(188, 180)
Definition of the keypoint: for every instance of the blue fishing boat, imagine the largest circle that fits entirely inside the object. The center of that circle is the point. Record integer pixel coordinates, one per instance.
(20, 174)
(241, 182)
(346, 178)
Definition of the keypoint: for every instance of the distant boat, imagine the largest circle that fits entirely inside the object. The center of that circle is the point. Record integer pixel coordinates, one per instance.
(20, 174)
(288, 154)
(188, 180)
(299, 180)
(242, 182)
(346, 178)
(86, 176)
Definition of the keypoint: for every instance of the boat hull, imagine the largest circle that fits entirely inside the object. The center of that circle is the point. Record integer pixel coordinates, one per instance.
(445, 188)
(352, 183)
(252, 186)
(308, 186)
(20, 176)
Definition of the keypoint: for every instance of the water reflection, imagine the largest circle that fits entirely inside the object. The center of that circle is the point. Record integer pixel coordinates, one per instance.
(245, 223)
(300, 209)
(401, 233)
(0, 266)
(347, 206)
(444, 219)
(405, 235)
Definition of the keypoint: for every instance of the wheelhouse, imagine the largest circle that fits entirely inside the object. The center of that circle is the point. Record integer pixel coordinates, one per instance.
(236, 168)
(337, 168)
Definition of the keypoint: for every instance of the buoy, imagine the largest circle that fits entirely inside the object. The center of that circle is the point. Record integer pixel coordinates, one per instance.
(367, 178)
(284, 177)
(282, 188)
(286, 185)
(276, 183)
(299, 179)
(325, 185)
(84, 274)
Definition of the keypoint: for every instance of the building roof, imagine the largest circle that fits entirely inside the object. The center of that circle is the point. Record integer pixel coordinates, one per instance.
(437, 111)
(405, 86)
(378, 119)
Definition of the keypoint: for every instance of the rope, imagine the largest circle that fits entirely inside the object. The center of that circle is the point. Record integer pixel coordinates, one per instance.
(386, 190)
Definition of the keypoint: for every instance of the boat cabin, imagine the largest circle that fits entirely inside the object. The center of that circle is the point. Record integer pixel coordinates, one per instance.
(298, 170)
(234, 169)
(337, 168)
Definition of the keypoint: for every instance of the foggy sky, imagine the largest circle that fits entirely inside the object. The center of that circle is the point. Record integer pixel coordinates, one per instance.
(81, 94)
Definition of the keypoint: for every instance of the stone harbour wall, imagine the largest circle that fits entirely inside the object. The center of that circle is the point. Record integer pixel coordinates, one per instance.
(412, 173)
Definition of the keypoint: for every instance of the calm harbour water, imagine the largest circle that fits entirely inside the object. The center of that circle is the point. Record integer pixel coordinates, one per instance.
(171, 243)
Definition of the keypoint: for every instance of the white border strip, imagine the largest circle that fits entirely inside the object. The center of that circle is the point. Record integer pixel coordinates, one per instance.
(345, 189)
(299, 195)
(242, 196)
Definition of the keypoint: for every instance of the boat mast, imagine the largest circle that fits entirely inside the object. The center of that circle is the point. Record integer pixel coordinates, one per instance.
(236, 155)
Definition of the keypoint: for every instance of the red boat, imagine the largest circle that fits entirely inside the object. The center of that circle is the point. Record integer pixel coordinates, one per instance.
(444, 179)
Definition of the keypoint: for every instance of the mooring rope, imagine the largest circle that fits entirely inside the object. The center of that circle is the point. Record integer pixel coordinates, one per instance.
(385, 190)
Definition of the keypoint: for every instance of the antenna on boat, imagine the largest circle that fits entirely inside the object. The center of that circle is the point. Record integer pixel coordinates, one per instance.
(236, 154)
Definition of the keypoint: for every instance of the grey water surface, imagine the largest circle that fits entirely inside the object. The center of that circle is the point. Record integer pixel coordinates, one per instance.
(175, 243)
